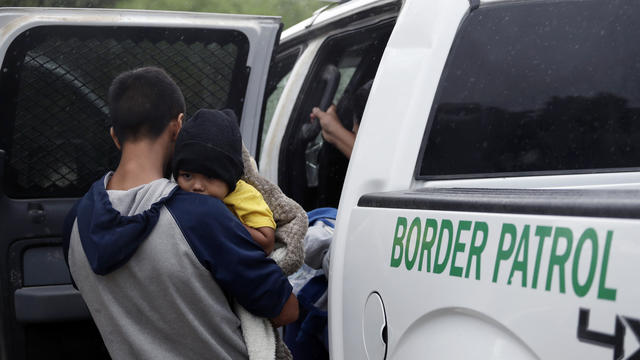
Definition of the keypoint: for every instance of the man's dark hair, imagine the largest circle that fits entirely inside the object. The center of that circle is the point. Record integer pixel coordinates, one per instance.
(142, 102)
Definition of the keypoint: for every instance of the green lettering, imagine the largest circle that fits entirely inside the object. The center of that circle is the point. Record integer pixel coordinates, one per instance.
(427, 245)
(521, 265)
(463, 225)
(438, 268)
(476, 250)
(542, 232)
(409, 262)
(582, 289)
(503, 253)
(559, 260)
(397, 241)
(603, 292)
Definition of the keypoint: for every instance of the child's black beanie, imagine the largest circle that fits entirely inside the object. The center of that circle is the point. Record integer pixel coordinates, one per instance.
(210, 144)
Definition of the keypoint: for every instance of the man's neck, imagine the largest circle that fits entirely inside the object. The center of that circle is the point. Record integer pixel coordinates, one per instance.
(142, 162)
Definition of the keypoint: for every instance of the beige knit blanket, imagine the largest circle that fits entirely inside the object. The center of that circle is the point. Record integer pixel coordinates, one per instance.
(263, 340)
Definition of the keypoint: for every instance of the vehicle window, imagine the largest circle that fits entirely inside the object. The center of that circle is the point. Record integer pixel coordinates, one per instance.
(346, 73)
(312, 171)
(538, 88)
(272, 102)
(347, 66)
(54, 82)
(278, 77)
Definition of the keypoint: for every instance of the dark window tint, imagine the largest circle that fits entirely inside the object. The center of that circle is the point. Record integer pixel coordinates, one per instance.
(54, 82)
(536, 87)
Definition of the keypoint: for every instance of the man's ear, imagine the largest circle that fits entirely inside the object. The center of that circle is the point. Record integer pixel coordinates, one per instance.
(177, 127)
(114, 138)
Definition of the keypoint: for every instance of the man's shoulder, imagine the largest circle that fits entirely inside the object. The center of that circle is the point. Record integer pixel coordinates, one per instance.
(197, 211)
(194, 204)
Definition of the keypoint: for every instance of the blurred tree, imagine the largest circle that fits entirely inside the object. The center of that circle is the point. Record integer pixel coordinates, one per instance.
(60, 3)
(292, 11)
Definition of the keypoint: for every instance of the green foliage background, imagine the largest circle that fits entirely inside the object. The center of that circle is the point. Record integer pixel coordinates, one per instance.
(292, 11)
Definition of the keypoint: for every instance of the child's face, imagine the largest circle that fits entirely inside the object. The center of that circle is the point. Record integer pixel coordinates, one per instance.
(198, 183)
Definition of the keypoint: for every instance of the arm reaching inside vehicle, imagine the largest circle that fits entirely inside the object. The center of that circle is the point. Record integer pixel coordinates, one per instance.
(333, 131)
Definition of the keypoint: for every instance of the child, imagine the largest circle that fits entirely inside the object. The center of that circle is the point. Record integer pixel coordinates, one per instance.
(208, 160)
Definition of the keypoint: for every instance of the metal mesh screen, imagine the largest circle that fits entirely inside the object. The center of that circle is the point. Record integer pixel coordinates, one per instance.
(55, 82)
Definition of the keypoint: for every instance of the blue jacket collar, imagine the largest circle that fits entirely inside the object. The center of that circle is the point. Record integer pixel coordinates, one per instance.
(109, 239)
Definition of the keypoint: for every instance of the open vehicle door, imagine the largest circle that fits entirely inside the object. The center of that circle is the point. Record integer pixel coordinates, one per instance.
(56, 70)
(320, 61)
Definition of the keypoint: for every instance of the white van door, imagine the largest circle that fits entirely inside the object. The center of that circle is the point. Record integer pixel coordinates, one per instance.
(57, 65)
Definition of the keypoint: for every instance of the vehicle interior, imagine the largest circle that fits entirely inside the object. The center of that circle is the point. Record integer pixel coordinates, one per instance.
(312, 171)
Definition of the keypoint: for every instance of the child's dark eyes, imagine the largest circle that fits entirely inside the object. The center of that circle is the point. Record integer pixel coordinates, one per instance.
(186, 176)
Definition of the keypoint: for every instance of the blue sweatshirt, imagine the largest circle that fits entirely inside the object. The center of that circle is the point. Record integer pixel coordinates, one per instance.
(155, 265)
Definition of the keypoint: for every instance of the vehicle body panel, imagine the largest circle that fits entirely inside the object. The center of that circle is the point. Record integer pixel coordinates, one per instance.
(489, 314)
(331, 15)
(392, 129)
(383, 160)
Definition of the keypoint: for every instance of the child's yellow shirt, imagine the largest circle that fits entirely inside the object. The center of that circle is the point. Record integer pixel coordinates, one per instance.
(248, 205)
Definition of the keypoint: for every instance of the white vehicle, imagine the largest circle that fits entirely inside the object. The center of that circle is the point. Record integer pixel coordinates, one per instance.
(489, 207)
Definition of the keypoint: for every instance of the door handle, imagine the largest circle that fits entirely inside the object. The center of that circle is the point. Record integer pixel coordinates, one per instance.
(36, 213)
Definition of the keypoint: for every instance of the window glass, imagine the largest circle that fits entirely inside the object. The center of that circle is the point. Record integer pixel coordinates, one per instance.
(278, 76)
(538, 88)
(54, 83)
(272, 102)
(346, 73)
(311, 170)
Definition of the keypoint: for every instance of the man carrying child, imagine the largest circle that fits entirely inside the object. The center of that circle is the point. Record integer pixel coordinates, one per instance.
(154, 263)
